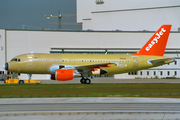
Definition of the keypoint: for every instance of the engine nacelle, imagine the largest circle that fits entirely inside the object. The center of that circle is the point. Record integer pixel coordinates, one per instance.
(63, 75)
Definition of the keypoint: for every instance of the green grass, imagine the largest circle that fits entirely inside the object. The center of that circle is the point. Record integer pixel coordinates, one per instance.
(93, 90)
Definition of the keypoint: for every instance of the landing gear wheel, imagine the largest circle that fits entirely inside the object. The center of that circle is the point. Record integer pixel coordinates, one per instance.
(82, 80)
(88, 81)
(85, 81)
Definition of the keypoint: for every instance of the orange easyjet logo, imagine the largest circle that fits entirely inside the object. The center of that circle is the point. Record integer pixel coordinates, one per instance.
(155, 40)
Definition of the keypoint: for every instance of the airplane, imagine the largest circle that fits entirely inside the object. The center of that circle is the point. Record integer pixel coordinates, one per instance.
(64, 67)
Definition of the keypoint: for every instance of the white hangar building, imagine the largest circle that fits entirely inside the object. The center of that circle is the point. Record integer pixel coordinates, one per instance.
(128, 15)
(109, 27)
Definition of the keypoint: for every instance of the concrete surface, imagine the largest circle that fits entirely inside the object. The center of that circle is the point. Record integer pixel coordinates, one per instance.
(90, 108)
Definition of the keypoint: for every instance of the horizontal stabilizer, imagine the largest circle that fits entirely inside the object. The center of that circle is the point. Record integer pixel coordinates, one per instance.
(161, 60)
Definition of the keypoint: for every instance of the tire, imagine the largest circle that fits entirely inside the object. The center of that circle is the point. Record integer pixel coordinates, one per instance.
(88, 81)
(82, 80)
(21, 81)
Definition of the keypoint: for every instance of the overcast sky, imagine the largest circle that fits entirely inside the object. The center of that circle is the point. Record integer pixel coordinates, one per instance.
(31, 13)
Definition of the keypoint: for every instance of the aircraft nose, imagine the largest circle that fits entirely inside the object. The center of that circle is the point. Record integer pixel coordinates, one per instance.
(5, 66)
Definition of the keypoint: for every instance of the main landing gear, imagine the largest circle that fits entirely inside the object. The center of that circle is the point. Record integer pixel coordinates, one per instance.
(85, 80)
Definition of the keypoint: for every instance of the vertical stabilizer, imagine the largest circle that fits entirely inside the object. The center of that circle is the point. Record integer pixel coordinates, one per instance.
(157, 43)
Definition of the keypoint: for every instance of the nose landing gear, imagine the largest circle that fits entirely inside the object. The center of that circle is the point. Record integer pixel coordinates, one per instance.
(85, 80)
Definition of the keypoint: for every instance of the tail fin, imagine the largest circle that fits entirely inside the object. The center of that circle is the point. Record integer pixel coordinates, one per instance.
(157, 43)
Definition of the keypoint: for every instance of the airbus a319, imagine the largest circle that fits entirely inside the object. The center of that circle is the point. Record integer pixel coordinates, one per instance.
(64, 67)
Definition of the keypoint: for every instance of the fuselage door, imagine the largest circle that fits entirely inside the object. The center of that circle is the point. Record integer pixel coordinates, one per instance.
(135, 61)
(30, 61)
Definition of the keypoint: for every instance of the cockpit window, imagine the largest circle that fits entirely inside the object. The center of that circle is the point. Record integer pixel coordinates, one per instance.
(16, 59)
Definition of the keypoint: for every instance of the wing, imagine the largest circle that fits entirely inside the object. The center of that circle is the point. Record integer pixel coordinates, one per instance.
(85, 69)
(94, 66)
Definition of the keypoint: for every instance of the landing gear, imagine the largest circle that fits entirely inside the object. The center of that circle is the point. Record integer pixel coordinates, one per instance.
(85, 81)
(29, 80)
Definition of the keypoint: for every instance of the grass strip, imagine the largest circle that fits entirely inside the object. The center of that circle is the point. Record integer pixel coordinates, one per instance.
(161, 90)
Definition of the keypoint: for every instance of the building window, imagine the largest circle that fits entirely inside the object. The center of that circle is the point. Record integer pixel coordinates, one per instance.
(154, 72)
(161, 73)
(132, 73)
(175, 72)
(140, 72)
(168, 72)
(1, 72)
(175, 62)
(147, 72)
